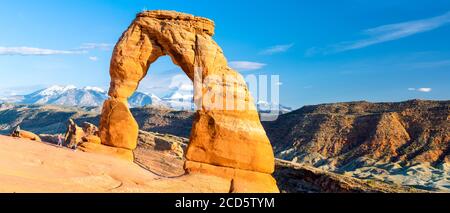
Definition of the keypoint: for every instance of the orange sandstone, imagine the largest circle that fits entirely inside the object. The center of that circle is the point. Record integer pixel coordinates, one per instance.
(27, 135)
(230, 143)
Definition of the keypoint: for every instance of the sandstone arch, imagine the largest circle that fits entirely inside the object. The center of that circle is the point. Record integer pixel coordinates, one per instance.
(227, 143)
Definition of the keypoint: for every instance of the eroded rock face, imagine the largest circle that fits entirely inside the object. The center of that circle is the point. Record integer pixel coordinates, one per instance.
(227, 134)
(340, 134)
(117, 125)
(74, 134)
(90, 129)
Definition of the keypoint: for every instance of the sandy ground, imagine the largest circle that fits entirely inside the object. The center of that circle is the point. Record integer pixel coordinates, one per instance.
(27, 166)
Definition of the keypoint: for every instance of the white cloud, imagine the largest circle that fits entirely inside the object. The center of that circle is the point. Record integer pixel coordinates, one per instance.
(34, 51)
(28, 51)
(93, 58)
(422, 89)
(100, 46)
(277, 49)
(386, 33)
(246, 65)
(180, 81)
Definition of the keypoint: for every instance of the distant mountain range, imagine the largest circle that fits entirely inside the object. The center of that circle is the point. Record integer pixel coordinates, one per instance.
(61, 95)
(93, 96)
(178, 98)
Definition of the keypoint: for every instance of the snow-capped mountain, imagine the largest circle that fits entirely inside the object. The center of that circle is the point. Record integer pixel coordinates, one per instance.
(62, 95)
(264, 106)
(73, 96)
(178, 98)
(139, 99)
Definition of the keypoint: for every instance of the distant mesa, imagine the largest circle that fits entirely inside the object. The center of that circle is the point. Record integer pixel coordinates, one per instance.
(410, 131)
(406, 143)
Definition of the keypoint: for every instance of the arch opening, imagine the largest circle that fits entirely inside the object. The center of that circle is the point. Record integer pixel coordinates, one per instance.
(167, 85)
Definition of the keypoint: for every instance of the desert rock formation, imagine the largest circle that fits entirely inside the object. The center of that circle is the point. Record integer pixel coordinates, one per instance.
(225, 142)
(405, 143)
(90, 129)
(18, 133)
(300, 178)
(88, 133)
(405, 132)
(74, 134)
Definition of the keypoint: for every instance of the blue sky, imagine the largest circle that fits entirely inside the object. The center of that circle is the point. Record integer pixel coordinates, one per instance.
(323, 51)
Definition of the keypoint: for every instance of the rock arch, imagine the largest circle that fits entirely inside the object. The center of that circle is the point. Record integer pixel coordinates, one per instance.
(226, 143)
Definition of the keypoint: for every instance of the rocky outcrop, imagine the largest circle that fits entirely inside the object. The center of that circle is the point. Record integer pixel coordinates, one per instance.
(405, 132)
(73, 135)
(165, 143)
(90, 129)
(225, 141)
(405, 143)
(300, 178)
(91, 142)
(19, 133)
(76, 135)
(164, 120)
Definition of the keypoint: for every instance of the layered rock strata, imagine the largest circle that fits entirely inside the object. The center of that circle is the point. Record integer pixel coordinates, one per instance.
(227, 137)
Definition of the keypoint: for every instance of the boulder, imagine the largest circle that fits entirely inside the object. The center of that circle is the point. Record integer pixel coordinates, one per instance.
(163, 145)
(27, 135)
(74, 134)
(90, 129)
(91, 133)
(49, 138)
(19, 133)
(91, 139)
(172, 147)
